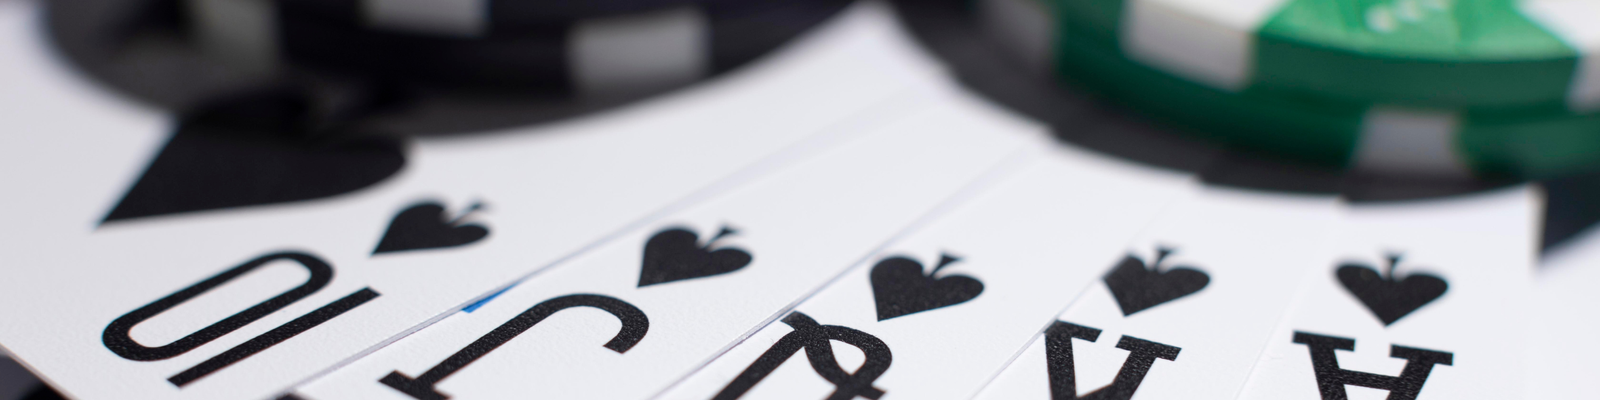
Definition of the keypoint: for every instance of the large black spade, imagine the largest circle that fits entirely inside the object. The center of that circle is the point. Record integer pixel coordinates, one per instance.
(674, 254)
(1138, 287)
(424, 226)
(1389, 296)
(256, 150)
(900, 288)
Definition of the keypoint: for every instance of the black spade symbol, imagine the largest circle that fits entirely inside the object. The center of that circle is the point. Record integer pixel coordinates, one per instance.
(1138, 288)
(900, 288)
(674, 254)
(1386, 296)
(425, 226)
(252, 151)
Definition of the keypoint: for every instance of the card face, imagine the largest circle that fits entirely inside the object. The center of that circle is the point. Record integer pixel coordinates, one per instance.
(249, 301)
(949, 305)
(1186, 311)
(1421, 301)
(1561, 363)
(680, 291)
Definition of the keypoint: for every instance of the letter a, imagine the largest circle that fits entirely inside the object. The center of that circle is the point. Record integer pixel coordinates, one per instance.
(1331, 379)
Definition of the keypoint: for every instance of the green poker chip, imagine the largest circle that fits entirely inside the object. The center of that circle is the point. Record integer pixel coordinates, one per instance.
(1500, 54)
(1391, 139)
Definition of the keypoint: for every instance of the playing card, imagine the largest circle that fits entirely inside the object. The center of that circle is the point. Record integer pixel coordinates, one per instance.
(681, 290)
(1559, 364)
(1560, 361)
(952, 303)
(250, 298)
(1186, 311)
(1422, 300)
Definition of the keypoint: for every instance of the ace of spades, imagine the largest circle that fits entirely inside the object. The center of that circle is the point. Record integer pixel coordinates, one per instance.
(1414, 284)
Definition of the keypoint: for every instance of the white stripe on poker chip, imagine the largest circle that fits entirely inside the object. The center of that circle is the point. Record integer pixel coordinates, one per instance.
(1574, 22)
(242, 33)
(1207, 41)
(467, 18)
(1024, 27)
(635, 53)
(1397, 141)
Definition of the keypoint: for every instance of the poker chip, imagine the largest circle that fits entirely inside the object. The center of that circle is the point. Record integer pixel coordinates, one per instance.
(1432, 53)
(183, 55)
(473, 18)
(1384, 138)
(604, 55)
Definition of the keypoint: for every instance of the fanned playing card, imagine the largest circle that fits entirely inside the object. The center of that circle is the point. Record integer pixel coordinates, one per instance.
(1186, 311)
(1561, 363)
(1427, 300)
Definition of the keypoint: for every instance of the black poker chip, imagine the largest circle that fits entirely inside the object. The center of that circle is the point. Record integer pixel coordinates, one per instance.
(491, 16)
(579, 57)
(404, 83)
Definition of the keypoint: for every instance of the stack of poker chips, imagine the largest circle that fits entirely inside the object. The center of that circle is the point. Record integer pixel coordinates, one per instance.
(1457, 88)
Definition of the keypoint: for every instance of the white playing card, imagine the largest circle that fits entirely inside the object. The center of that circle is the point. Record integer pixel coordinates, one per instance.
(1565, 320)
(684, 289)
(84, 303)
(1008, 261)
(1423, 300)
(1188, 311)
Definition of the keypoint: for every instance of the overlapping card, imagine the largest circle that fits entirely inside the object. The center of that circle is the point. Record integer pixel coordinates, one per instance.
(681, 290)
(1419, 301)
(933, 315)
